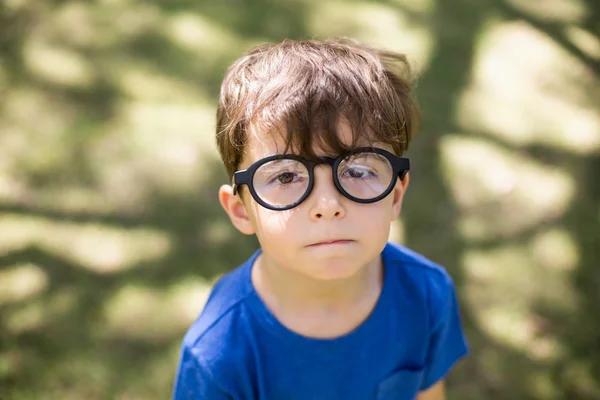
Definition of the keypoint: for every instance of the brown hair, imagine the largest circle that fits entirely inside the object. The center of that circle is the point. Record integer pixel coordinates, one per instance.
(307, 87)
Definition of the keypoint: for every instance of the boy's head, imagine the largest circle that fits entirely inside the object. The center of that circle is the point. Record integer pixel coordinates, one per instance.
(304, 89)
(316, 99)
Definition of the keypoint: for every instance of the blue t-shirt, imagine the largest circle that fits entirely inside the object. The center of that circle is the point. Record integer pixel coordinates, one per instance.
(238, 350)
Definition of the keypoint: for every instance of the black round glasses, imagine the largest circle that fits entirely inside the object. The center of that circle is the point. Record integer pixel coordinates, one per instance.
(283, 181)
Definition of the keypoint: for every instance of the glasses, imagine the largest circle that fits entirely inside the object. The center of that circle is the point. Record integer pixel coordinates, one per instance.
(283, 181)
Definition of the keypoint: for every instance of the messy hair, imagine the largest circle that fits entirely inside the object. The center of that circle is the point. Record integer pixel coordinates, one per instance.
(305, 88)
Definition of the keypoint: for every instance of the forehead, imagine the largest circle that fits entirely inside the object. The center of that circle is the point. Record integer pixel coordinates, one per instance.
(262, 143)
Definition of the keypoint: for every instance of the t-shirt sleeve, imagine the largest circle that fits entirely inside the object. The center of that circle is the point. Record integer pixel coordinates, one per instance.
(194, 381)
(447, 343)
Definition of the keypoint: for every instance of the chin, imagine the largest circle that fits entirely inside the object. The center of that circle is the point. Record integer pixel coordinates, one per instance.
(331, 270)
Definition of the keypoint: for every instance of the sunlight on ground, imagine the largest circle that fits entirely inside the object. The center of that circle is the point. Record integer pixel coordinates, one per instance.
(143, 313)
(556, 249)
(163, 145)
(552, 10)
(525, 90)
(19, 282)
(14, 5)
(502, 192)
(37, 311)
(147, 84)
(418, 7)
(31, 116)
(164, 128)
(102, 24)
(585, 41)
(199, 34)
(516, 329)
(504, 287)
(96, 247)
(148, 145)
(375, 24)
(154, 134)
(58, 65)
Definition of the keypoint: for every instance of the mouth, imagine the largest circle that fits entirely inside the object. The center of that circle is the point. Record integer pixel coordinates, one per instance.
(331, 242)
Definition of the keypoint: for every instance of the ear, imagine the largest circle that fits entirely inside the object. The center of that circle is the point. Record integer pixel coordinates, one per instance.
(398, 194)
(234, 207)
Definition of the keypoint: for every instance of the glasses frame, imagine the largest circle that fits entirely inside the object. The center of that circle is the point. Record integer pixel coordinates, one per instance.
(400, 167)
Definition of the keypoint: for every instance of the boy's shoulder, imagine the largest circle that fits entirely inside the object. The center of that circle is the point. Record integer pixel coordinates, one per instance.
(426, 281)
(222, 322)
(415, 264)
(221, 308)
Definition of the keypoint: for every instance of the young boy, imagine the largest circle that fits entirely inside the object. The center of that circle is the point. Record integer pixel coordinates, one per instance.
(311, 133)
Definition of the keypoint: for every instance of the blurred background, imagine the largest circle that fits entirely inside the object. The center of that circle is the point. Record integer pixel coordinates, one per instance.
(111, 234)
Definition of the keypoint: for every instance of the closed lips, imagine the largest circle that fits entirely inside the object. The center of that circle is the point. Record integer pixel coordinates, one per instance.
(335, 241)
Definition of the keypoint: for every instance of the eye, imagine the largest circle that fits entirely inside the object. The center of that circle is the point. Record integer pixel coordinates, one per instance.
(354, 173)
(286, 178)
(358, 172)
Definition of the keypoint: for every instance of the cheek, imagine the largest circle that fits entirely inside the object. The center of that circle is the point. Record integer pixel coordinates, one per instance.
(374, 218)
(273, 227)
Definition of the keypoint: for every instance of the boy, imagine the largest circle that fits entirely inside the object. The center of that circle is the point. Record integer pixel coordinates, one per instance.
(311, 133)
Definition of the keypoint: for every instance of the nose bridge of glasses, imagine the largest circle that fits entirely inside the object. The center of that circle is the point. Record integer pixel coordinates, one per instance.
(324, 160)
(312, 164)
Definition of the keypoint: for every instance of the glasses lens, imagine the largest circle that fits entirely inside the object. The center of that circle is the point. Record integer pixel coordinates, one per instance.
(281, 183)
(365, 175)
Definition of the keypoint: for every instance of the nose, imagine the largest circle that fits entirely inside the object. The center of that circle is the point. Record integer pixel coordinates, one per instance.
(325, 199)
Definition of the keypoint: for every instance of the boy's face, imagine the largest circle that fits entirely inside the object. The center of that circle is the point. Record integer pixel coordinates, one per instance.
(326, 237)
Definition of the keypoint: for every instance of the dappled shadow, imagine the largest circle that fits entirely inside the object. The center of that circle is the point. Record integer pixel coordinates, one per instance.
(557, 30)
(42, 346)
(89, 152)
(495, 370)
(66, 340)
(431, 216)
(577, 371)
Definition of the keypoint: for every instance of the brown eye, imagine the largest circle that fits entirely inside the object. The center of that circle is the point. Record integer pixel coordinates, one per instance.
(355, 173)
(286, 178)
